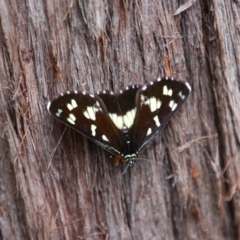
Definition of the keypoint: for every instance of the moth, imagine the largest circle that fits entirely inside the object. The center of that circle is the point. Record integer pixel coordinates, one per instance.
(122, 123)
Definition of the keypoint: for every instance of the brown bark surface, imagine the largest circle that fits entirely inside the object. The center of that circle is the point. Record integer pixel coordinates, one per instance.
(56, 184)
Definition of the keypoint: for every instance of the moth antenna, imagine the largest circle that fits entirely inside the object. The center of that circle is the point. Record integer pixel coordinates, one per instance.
(145, 159)
(126, 168)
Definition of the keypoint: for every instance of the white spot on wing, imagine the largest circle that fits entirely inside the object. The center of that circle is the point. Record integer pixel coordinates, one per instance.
(69, 106)
(159, 103)
(59, 112)
(105, 138)
(98, 105)
(74, 103)
(167, 92)
(181, 95)
(91, 113)
(71, 118)
(157, 121)
(117, 120)
(129, 117)
(149, 131)
(93, 129)
(154, 104)
(86, 115)
(172, 105)
(170, 92)
(145, 100)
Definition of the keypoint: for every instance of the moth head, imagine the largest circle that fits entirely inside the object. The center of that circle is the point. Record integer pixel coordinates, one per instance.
(130, 159)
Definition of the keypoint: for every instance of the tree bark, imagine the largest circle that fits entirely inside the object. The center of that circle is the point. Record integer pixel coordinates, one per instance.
(56, 184)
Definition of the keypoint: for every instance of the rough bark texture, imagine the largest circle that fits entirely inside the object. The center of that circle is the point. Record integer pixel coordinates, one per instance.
(55, 184)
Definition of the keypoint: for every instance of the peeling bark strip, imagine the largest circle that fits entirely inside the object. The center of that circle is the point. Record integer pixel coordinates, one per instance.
(184, 7)
(54, 184)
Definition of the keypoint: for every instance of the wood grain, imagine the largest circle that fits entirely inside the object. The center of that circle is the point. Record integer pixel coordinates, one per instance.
(55, 184)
